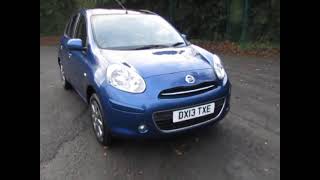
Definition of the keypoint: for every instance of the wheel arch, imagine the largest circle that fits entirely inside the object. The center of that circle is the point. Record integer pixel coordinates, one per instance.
(90, 90)
(59, 61)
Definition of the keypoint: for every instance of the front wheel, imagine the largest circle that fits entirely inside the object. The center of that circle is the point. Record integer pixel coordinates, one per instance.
(100, 128)
(65, 83)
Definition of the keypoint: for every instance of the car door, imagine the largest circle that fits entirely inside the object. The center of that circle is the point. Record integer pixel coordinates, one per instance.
(65, 52)
(79, 58)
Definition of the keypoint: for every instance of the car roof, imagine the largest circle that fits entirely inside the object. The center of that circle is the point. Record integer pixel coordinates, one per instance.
(98, 11)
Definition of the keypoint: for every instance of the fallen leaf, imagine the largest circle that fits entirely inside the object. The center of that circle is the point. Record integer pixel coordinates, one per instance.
(178, 152)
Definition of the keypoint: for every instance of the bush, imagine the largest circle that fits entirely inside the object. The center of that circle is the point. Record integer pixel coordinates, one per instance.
(216, 20)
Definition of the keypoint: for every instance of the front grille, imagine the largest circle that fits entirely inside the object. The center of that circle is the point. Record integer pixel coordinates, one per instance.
(183, 91)
(163, 119)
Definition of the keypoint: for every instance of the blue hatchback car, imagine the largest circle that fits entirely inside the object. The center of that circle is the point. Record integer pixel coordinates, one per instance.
(140, 76)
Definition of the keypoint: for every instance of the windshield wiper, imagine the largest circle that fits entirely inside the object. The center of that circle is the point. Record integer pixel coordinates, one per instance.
(151, 46)
(176, 44)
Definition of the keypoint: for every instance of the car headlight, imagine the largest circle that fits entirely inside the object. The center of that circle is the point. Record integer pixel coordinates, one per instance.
(218, 67)
(125, 78)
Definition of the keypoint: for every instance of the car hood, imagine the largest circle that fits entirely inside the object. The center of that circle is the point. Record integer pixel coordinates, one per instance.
(153, 62)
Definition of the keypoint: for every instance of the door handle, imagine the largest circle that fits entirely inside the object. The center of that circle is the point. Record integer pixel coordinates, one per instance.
(70, 55)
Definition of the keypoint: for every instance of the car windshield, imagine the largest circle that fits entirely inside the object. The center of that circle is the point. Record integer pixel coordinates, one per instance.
(126, 32)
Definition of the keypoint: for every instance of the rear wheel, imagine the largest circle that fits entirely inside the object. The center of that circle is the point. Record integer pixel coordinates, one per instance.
(65, 83)
(100, 128)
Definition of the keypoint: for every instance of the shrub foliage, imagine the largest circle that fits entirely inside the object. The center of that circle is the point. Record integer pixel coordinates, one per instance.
(218, 20)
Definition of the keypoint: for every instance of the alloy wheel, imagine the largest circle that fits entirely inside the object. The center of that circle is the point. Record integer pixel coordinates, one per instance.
(63, 78)
(96, 120)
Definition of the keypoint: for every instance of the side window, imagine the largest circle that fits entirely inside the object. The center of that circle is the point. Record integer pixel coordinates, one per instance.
(67, 28)
(81, 31)
(70, 28)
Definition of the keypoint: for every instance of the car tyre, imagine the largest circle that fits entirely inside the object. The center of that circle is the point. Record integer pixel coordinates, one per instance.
(98, 121)
(65, 83)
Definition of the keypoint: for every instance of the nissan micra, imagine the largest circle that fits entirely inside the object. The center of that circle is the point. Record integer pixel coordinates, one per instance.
(140, 77)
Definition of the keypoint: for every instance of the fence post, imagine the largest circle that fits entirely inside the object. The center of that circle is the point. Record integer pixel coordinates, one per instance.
(244, 28)
(227, 6)
(172, 5)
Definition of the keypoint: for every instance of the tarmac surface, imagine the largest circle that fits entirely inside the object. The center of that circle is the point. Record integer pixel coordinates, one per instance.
(245, 145)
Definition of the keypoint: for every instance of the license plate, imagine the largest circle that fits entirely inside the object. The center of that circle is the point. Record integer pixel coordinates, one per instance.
(194, 112)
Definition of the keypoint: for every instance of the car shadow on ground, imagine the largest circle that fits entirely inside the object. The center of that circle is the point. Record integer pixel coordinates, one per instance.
(184, 153)
(193, 143)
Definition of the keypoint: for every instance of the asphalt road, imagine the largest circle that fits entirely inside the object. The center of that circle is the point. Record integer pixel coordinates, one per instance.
(245, 145)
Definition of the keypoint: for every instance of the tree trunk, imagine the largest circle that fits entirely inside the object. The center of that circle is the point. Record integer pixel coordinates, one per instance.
(172, 5)
(235, 19)
(244, 30)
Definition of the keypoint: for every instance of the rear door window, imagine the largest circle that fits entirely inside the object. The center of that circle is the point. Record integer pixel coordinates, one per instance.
(81, 30)
(71, 26)
(66, 29)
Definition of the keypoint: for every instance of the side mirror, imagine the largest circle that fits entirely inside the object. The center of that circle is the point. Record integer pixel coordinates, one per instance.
(75, 44)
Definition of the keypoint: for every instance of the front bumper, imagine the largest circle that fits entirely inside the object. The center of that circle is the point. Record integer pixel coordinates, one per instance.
(124, 112)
